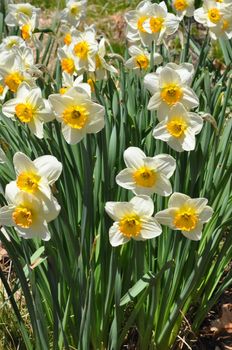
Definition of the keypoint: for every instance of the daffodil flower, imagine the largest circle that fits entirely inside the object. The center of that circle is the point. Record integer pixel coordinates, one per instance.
(26, 213)
(16, 10)
(73, 12)
(217, 17)
(179, 128)
(84, 48)
(38, 175)
(101, 66)
(168, 86)
(30, 108)
(186, 214)
(11, 41)
(183, 8)
(140, 59)
(133, 220)
(146, 175)
(77, 113)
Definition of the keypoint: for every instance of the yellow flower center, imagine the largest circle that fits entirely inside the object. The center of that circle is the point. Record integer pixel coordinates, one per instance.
(176, 127)
(214, 15)
(186, 219)
(28, 182)
(81, 50)
(26, 28)
(1, 89)
(225, 24)
(130, 225)
(22, 217)
(76, 116)
(67, 65)
(142, 61)
(25, 112)
(171, 93)
(180, 5)
(91, 84)
(156, 23)
(13, 80)
(145, 177)
(63, 90)
(219, 0)
(67, 39)
(74, 10)
(140, 23)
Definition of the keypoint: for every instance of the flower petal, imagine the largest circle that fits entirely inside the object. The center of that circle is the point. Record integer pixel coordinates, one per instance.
(48, 167)
(150, 228)
(177, 199)
(143, 205)
(133, 157)
(23, 163)
(116, 237)
(125, 179)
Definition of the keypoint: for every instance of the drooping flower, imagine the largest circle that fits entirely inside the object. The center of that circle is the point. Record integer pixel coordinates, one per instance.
(30, 108)
(183, 8)
(77, 113)
(170, 85)
(26, 213)
(146, 175)
(179, 128)
(140, 59)
(133, 220)
(101, 66)
(186, 214)
(217, 16)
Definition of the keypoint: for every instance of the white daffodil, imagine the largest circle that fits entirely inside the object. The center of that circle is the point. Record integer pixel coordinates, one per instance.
(183, 8)
(135, 19)
(101, 66)
(67, 60)
(146, 175)
(179, 128)
(77, 113)
(3, 90)
(132, 220)
(168, 86)
(186, 214)
(11, 41)
(30, 108)
(84, 48)
(140, 59)
(26, 213)
(160, 23)
(68, 81)
(16, 10)
(217, 16)
(2, 156)
(38, 175)
(73, 12)
(12, 70)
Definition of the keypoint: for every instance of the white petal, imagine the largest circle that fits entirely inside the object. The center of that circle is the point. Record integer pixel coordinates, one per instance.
(150, 228)
(38, 230)
(163, 186)
(194, 235)
(60, 102)
(200, 16)
(178, 110)
(189, 141)
(143, 205)
(125, 179)
(196, 123)
(189, 99)
(134, 157)
(49, 167)
(177, 199)
(151, 82)
(8, 109)
(116, 210)
(169, 76)
(11, 192)
(160, 132)
(116, 237)
(198, 203)
(154, 102)
(36, 127)
(163, 163)
(72, 136)
(6, 215)
(23, 163)
(166, 217)
(206, 214)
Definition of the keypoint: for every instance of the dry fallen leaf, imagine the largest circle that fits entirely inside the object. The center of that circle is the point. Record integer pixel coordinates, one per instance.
(224, 323)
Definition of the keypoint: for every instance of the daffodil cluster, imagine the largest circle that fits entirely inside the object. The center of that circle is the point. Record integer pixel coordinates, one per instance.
(31, 204)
